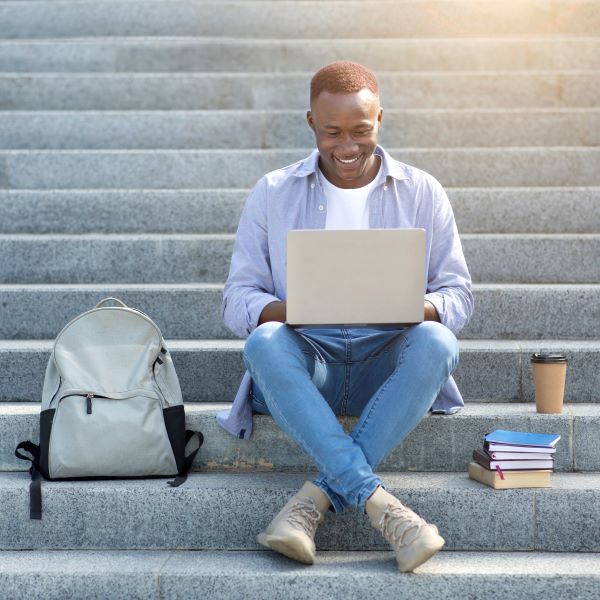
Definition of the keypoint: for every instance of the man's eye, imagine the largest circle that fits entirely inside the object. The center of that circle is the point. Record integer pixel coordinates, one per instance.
(332, 133)
(363, 132)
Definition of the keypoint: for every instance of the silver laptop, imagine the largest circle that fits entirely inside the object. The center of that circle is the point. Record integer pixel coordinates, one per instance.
(358, 277)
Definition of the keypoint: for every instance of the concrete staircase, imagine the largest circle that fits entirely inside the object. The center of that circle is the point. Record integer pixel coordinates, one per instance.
(130, 133)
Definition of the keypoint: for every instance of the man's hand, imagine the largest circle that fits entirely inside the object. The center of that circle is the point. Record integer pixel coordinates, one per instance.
(275, 311)
(431, 313)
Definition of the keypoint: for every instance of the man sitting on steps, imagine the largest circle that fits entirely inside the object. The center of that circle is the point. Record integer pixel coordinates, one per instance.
(390, 379)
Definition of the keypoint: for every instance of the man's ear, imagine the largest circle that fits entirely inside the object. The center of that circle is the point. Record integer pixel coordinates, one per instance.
(380, 115)
(310, 120)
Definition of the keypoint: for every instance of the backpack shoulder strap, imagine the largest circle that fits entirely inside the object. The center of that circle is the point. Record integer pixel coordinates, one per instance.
(193, 441)
(35, 487)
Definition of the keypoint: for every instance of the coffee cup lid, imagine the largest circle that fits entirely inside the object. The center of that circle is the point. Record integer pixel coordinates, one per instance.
(548, 357)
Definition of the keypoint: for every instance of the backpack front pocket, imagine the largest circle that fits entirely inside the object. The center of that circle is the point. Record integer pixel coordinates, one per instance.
(109, 435)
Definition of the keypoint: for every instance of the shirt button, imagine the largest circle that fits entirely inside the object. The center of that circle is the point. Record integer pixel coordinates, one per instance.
(312, 185)
(321, 207)
(385, 188)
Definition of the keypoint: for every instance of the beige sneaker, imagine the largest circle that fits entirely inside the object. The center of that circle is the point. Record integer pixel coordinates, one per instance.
(413, 539)
(292, 531)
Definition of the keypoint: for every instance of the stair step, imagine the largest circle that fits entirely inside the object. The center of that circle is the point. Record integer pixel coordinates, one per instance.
(439, 442)
(195, 91)
(289, 19)
(477, 210)
(507, 311)
(189, 258)
(413, 128)
(549, 210)
(138, 211)
(131, 574)
(497, 370)
(470, 515)
(182, 310)
(196, 54)
(527, 72)
(181, 169)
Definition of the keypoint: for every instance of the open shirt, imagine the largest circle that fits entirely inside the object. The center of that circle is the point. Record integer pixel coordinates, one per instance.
(292, 198)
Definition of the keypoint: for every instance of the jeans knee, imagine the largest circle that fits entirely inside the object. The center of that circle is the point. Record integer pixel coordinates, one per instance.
(439, 341)
(261, 341)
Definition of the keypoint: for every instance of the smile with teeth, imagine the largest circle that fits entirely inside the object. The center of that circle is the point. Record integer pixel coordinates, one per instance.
(348, 162)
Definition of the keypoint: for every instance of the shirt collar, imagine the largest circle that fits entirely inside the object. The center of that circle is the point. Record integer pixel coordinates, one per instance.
(389, 166)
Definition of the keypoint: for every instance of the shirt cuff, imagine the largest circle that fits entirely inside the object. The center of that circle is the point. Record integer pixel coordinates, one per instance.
(255, 308)
(437, 299)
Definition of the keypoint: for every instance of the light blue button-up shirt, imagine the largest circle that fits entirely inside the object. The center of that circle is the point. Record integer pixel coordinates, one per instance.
(292, 198)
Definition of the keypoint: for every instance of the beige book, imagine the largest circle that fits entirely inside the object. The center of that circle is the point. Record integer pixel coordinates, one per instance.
(512, 479)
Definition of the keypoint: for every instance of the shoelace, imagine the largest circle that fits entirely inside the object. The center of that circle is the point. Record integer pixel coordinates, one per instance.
(305, 514)
(396, 522)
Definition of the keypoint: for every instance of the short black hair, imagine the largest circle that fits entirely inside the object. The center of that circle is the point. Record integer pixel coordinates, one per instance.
(343, 77)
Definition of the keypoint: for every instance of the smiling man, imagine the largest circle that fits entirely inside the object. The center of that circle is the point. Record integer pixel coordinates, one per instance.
(304, 378)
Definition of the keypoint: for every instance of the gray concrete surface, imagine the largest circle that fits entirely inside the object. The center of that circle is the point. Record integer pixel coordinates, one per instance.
(205, 258)
(197, 54)
(271, 450)
(530, 258)
(477, 210)
(407, 128)
(255, 19)
(470, 515)
(522, 62)
(180, 169)
(210, 370)
(218, 91)
(225, 575)
(193, 310)
(536, 312)
(585, 432)
(58, 575)
(121, 211)
(526, 210)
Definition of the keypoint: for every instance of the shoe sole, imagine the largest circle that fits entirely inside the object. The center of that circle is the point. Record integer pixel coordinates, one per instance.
(420, 554)
(287, 546)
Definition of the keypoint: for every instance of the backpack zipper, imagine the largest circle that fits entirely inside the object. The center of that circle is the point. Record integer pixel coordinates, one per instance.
(114, 396)
(88, 401)
(155, 370)
(55, 393)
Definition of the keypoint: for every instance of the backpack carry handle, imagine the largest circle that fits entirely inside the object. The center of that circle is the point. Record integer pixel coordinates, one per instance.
(111, 299)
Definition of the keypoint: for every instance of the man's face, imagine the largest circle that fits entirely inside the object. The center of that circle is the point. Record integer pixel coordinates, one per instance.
(346, 128)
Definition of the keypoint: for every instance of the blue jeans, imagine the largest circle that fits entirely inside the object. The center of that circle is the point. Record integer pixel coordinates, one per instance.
(388, 378)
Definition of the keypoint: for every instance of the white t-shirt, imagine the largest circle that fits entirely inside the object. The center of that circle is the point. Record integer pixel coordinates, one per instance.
(346, 208)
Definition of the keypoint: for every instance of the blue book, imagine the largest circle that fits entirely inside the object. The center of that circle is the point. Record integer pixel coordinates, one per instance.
(522, 438)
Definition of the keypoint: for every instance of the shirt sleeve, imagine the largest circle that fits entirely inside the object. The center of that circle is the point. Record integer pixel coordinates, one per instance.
(448, 279)
(249, 286)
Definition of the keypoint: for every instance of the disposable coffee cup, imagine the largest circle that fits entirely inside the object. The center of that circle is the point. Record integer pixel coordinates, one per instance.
(549, 376)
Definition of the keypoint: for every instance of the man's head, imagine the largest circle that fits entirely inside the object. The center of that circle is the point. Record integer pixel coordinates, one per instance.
(345, 116)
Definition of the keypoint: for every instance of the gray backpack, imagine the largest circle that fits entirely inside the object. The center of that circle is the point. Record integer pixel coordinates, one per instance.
(111, 404)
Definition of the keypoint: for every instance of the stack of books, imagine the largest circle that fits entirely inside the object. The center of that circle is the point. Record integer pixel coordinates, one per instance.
(514, 459)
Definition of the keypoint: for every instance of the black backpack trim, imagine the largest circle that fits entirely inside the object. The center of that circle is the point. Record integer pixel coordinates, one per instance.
(35, 487)
(184, 457)
(194, 437)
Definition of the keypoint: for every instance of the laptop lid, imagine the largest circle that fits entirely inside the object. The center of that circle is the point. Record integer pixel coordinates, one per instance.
(355, 277)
